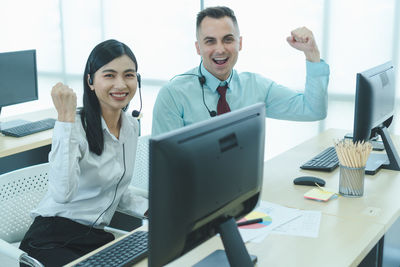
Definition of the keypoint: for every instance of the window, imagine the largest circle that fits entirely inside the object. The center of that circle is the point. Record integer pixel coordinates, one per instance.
(35, 26)
(352, 36)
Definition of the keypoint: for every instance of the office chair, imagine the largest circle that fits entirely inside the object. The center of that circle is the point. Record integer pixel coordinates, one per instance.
(140, 179)
(20, 192)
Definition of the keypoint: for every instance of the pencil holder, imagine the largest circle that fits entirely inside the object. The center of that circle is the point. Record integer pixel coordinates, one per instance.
(351, 181)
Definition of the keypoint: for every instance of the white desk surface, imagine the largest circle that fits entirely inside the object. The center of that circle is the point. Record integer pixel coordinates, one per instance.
(12, 145)
(350, 227)
(381, 191)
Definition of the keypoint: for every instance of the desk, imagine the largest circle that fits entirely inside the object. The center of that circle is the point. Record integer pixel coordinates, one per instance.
(381, 191)
(13, 145)
(29, 150)
(350, 227)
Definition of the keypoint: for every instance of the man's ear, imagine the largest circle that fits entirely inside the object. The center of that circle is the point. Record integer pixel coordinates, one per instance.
(240, 43)
(197, 48)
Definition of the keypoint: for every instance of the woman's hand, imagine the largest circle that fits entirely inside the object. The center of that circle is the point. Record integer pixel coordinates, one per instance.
(64, 99)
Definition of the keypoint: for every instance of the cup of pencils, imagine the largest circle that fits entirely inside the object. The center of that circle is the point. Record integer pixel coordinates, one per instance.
(352, 160)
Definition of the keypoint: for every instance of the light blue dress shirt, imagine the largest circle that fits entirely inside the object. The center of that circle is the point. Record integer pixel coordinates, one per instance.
(180, 102)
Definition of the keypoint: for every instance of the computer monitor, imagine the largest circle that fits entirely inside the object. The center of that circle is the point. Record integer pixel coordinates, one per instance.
(374, 111)
(18, 77)
(204, 177)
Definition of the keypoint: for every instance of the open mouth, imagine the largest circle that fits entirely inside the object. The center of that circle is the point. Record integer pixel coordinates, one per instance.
(119, 95)
(220, 61)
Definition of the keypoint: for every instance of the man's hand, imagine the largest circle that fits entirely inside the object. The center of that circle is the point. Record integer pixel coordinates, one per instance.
(303, 40)
(64, 99)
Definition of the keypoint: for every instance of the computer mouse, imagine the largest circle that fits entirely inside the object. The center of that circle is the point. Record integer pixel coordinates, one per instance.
(308, 180)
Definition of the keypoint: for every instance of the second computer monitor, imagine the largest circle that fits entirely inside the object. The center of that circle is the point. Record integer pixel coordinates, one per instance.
(204, 177)
(18, 80)
(373, 114)
(18, 77)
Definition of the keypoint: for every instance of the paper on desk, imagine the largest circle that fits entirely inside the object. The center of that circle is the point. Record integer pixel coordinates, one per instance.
(273, 216)
(305, 225)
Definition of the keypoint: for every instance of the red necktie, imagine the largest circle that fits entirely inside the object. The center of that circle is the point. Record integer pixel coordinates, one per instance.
(222, 106)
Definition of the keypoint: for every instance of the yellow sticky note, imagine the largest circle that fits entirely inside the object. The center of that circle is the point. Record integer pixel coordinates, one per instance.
(318, 194)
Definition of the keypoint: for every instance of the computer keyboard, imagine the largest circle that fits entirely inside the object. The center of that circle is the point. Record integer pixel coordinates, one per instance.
(125, 252)
(327, 160)
(29, 128)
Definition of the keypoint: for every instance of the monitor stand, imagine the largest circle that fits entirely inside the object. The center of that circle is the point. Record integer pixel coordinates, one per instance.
(377, 145)
(235, 253)
(390, 160)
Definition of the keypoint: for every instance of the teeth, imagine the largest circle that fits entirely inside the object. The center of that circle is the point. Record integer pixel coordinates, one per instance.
(119, 94)
(220, 61)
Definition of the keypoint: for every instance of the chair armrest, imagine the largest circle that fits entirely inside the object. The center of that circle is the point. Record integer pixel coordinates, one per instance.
(10, 251)
(140, 192)
(12, 256)
(116, 232)
(28, 260)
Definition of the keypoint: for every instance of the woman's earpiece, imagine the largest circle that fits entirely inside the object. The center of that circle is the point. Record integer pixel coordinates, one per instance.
(90, 81)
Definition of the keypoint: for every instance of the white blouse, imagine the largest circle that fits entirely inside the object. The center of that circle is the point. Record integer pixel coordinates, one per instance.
(83, 185)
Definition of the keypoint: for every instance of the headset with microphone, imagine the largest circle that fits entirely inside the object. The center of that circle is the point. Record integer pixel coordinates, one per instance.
(202, 81)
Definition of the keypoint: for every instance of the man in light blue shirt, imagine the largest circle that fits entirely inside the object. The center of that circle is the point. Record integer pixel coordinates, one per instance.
(192, 97)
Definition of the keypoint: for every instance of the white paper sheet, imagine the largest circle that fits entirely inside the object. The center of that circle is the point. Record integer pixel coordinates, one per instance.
(305, 225)
(274, 216)
(281, 220)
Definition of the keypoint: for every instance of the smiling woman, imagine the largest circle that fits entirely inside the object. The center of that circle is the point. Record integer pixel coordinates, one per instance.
(113, 70)
(114, 85)
(90, 170)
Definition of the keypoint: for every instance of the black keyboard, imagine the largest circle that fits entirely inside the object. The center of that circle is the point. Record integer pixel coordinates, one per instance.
(327, 160)
(29, 128)
(125, 252)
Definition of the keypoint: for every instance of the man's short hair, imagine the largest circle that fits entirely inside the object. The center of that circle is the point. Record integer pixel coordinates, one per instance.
(216, 12)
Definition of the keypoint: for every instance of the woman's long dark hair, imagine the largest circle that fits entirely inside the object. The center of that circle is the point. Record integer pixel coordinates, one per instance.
(90, 114)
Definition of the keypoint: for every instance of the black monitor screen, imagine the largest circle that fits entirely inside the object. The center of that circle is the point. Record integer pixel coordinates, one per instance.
(374, 111)
(204, 177)
(375, 98)
(18, 77)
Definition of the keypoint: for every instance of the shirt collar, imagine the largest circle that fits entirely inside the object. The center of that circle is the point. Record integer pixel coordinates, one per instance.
(212, 82)
(124, 131)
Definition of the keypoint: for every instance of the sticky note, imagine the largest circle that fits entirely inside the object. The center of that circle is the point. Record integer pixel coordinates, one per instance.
(319, 194)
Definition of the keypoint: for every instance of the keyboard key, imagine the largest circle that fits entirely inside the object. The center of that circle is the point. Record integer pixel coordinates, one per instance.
(327, 160)
(30, 128)
(125, 252)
